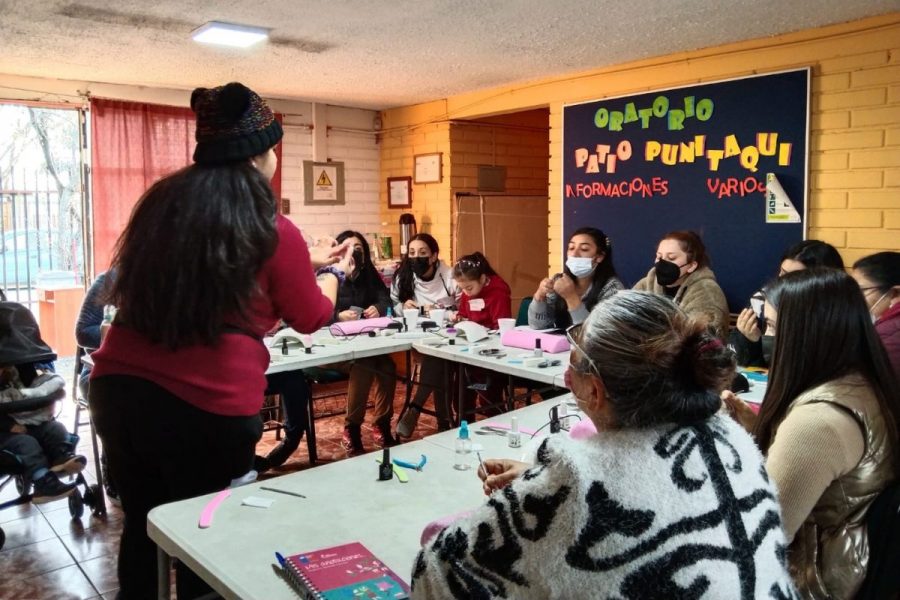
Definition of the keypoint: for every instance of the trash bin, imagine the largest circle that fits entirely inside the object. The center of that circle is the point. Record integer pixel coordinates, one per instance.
(59, 302)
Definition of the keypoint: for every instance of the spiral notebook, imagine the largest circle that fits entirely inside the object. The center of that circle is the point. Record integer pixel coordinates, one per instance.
(348, 572)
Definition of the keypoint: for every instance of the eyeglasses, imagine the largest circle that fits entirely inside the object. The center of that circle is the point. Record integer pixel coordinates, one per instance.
(572, 333)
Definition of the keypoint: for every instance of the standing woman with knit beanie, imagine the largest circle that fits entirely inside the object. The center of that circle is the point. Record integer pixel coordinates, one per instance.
(205, 267)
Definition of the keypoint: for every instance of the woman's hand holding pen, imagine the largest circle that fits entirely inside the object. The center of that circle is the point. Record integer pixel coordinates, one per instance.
(500, 473)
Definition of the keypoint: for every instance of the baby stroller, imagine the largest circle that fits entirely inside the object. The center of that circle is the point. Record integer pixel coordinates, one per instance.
(21, 346)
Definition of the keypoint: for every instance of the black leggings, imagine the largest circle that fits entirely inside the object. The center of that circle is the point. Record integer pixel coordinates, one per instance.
(162, 449)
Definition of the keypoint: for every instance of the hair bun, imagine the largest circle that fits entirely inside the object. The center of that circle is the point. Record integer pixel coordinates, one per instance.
(707, 361)
(234, 100)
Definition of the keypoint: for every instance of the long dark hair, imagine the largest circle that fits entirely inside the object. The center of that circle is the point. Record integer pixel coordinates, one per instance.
(404, 277)
(823, 332)
(368, 275)
(187, 261)
(814, 253)
(604, 271)
(473, 266)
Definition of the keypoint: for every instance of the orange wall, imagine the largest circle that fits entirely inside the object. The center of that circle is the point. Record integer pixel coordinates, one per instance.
(430, 201)
(854, 194)
(517, 141)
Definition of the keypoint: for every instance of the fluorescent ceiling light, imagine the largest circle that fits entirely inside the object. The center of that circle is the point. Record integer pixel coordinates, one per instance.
(229, 34)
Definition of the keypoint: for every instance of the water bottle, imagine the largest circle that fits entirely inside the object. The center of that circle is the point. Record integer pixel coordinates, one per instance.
(463, 448)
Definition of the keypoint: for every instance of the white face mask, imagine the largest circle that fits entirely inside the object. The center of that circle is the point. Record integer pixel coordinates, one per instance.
(877, 302)
(580, 266)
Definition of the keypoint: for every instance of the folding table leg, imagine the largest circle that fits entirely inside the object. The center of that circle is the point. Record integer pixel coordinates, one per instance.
(461, 390)
(311, 428)
(163, 571)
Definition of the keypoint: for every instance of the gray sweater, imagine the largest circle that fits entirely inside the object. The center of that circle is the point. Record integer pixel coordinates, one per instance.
(541, 314)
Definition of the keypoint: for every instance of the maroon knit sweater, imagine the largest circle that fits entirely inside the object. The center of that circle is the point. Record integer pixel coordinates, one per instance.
(229, 377)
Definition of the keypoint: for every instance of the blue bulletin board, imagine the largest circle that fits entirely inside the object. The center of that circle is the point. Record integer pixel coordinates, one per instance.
(695, 158)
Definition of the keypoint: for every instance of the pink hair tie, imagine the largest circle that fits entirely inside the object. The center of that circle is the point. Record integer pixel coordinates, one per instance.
(710, 345)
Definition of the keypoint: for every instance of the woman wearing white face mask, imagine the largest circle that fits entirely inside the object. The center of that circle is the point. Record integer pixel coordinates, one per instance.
(878, 277)
(589, 277)
(682, 272)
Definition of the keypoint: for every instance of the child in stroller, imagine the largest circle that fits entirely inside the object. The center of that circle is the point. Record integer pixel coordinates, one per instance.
(29, 389)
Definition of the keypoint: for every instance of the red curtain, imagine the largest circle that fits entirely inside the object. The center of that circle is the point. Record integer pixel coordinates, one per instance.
(133, 145)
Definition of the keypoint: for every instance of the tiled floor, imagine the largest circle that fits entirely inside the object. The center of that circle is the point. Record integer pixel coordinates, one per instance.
(48, 554)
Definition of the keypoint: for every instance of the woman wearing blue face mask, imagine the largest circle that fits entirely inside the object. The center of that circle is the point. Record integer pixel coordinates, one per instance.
(682, 272)
(589, 277)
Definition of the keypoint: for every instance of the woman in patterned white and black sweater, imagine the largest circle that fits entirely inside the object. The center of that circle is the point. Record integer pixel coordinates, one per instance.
(668, 500)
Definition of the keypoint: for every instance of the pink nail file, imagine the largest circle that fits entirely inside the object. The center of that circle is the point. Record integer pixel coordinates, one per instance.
(206, 516)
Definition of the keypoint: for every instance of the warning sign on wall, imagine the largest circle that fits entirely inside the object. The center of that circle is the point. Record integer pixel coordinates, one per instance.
(323, 182)
(325, 188)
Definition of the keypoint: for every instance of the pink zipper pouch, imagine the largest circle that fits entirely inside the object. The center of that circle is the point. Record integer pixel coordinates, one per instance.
(525, 338)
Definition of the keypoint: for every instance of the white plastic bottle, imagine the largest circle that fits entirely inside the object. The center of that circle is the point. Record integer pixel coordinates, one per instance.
(463, 448)
(514, 438)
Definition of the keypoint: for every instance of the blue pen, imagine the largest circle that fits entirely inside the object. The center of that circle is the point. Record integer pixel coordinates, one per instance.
(280, 559)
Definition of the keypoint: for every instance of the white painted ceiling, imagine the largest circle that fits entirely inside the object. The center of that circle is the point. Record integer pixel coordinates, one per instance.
(381, 53)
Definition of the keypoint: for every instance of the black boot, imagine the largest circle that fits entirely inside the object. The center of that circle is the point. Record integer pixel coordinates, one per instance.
(351, 440)
(282, 451)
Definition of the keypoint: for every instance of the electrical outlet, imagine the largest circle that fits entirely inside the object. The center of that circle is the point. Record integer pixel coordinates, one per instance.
(285, 206)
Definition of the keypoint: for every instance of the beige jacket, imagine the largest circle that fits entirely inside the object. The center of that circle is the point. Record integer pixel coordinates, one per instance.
(829, 554)
(700, 294)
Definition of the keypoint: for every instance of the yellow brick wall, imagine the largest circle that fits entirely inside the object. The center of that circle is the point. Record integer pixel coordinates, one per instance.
(523, 151)
(517, 142)
(430, 201)
(854, 195)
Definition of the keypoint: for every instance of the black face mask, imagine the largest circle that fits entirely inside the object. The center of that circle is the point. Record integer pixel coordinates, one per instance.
(768, 344)
(667, 272)
(420, 265)
(358, 258)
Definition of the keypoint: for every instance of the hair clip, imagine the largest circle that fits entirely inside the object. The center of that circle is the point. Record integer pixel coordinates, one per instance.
(714, 344)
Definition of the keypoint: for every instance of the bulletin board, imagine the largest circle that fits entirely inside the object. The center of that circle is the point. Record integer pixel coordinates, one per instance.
(696, 158)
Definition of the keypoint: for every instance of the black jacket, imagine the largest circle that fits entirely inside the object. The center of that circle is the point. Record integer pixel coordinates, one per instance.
(364, 291)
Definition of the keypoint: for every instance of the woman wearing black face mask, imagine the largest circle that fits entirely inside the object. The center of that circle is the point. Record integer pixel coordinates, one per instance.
(364, 289)
(751, 342)
(682, 273)
(422, 279)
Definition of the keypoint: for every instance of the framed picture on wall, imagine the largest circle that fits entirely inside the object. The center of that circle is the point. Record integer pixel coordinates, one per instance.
(428, 168)
(399, 192)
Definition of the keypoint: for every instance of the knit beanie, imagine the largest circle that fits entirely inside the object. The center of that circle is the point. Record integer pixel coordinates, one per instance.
(233, 124)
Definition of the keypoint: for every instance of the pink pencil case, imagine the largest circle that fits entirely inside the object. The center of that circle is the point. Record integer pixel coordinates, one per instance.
(524, 338)
(359, 326)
